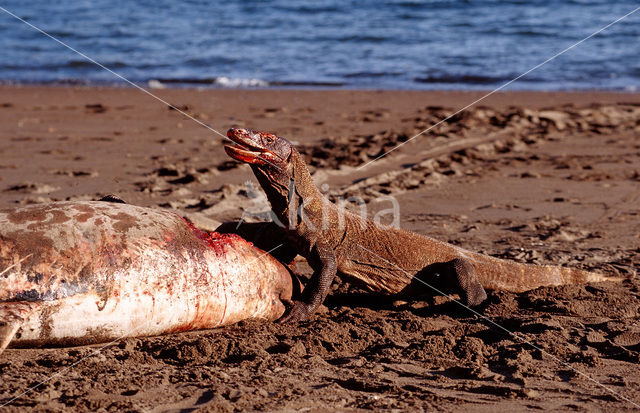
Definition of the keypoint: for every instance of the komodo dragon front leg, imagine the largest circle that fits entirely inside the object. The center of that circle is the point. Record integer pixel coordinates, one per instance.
(324, 263)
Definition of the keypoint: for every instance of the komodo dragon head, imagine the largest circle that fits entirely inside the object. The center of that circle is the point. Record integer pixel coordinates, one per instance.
(276, 164)
(259, 148)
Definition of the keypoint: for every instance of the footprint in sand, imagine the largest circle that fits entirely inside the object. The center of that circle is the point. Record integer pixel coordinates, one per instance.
(32, 188)
(95, 108)
(75, 173)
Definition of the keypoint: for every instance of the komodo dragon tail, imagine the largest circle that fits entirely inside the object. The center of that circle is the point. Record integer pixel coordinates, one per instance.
(576, 276)
(497, 274)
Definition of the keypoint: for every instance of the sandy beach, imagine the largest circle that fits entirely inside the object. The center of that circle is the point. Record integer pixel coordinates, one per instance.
(536, 177)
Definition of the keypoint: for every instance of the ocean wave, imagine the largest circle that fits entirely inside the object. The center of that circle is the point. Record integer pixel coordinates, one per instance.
(470, 79)
(221, 81)
(238, 82)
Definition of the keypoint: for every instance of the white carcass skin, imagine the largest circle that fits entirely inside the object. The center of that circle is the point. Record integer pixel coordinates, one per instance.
(91, 272)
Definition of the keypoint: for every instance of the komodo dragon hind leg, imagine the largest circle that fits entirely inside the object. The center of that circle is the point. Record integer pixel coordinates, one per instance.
(467, 284)
(452, 277)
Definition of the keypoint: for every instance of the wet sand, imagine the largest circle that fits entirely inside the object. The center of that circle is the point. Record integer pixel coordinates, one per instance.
(548, 178)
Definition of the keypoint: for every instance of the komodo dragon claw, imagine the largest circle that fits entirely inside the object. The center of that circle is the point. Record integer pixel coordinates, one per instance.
(300, 311)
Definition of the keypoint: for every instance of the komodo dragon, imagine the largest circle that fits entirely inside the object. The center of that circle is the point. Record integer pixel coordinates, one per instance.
(388, 260)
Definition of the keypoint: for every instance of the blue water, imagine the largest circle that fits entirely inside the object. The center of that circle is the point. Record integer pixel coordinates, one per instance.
(392, 44)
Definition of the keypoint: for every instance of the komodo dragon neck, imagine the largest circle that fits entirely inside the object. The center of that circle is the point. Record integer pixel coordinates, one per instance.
(298, 205)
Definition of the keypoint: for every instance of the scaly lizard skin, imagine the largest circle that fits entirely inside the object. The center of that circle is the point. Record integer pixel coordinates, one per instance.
(389, 260)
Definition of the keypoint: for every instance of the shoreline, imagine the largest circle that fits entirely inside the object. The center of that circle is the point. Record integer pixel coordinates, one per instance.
(295, 86)
(320, 86)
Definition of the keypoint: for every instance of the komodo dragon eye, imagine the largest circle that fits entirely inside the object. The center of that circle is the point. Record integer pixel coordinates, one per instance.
(269, 139)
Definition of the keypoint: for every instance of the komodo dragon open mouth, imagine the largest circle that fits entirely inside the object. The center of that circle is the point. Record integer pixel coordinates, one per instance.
(248, 147)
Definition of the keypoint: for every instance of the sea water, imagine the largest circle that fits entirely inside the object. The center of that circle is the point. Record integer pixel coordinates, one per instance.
(390, 44)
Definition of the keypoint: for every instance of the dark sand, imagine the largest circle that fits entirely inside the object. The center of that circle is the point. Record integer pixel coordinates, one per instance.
(550, 178)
